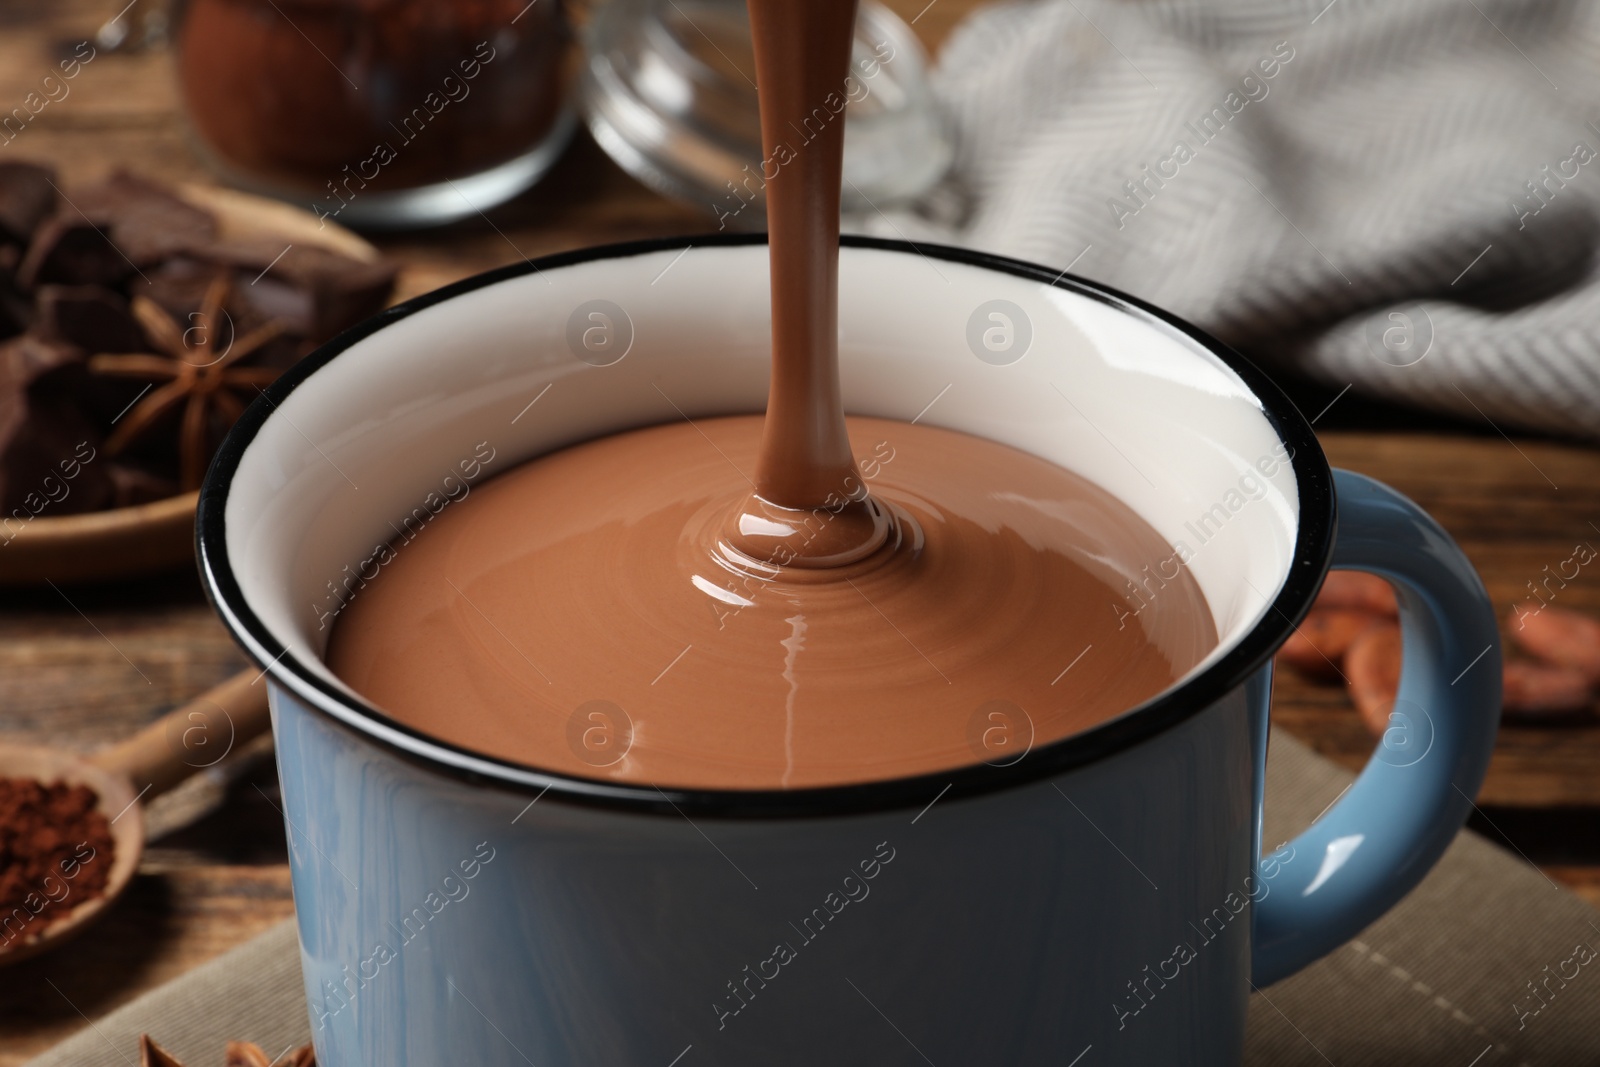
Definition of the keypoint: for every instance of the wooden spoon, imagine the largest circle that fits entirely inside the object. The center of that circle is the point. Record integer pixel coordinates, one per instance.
(152, 761)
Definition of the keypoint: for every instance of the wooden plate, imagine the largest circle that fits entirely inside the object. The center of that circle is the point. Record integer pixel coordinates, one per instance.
(125, 542)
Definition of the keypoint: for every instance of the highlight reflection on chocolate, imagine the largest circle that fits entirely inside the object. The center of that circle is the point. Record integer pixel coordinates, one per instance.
(802, 59)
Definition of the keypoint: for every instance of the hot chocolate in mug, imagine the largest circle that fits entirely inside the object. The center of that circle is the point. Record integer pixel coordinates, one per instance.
(1104, 895)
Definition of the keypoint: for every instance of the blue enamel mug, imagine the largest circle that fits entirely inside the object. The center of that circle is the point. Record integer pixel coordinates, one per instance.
(1105, 898)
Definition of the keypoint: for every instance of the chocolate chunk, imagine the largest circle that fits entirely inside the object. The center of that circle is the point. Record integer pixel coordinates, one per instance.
(294, 306)
(53, 414)
(16, 310)
(315, 292)
(179, 286)
(92, 318)
(109, 230)
(27, 198)
(47, 461)
(56, 377)
(70, 250)
(147, 220)
(24, 360)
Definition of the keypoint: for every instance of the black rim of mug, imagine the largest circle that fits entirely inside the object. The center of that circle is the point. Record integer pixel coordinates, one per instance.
(1313, 547)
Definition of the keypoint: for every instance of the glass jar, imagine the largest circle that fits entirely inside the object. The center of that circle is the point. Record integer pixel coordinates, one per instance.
(377, 113)
(668, 91)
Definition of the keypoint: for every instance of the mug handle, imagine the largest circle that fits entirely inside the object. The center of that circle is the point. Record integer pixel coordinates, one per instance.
(1379, 840)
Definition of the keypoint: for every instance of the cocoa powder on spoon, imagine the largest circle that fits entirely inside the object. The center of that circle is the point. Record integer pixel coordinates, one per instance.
(55, 853)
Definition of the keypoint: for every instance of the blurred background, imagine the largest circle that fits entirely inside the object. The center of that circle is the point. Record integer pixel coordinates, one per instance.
(1394, 207)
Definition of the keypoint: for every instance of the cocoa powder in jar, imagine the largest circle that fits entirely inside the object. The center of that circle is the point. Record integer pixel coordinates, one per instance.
(337, 96)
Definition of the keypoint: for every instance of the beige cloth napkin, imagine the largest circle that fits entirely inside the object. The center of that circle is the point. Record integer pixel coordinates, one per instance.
(1444, 979)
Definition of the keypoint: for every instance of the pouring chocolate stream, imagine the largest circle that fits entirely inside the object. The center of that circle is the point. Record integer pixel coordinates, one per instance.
(810, 507)
(722, 603)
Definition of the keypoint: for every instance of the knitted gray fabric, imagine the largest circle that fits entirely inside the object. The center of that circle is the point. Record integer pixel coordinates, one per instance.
(1402, 195)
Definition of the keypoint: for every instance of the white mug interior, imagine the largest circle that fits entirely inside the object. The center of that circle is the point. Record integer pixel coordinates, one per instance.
(1127, 401)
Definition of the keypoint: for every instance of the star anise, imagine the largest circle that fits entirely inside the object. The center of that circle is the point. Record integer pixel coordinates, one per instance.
(238, 1054)
(196, 374)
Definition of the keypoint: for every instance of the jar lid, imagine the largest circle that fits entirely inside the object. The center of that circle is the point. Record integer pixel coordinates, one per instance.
(668, 91)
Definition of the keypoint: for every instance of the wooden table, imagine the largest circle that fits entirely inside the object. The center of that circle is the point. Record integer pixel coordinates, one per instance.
(221, 877)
